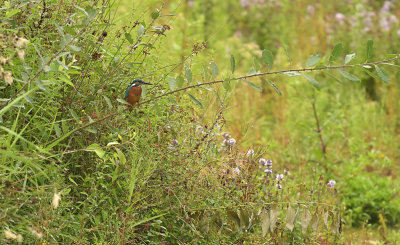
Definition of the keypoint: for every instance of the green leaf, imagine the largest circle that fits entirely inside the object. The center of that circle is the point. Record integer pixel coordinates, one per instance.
(290, 218)
(232, 63)
(268, 58)
(214, 69)
(188, 74)
(66, 79)
(382, 74)
(96, 148)
(196, 101)
(121, 156)
(12, 12)
(314, 82)
(180, 81)
(122, 101)
(206, 72)
(75, 48)
(370, 49)
(292, 73)
(272, 85)
(74, 115)
(349, 76)
(140, 30)
(274, 217)
(305, 220)
(313, 60)
(227, 84)
(128, 37)
(336, 52)
(155, 15)
(349, 57)
(172, 83)
(265, 222)
(108, 101)
(253, 85)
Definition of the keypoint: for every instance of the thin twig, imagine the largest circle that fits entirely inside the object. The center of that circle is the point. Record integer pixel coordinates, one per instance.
(236, 78)
(319, 130)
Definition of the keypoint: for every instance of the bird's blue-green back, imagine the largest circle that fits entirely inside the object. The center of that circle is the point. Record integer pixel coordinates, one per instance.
(127, 92)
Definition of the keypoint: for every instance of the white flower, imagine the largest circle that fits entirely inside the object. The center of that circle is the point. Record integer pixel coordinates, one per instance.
(250, 153)
(278, 186)
(56, 200)
(279, 177)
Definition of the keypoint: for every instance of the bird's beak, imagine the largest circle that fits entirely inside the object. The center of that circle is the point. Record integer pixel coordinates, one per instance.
(146, 83)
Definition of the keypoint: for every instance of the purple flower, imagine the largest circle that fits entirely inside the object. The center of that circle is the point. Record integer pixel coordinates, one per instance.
(310, 9)
(286, 171)
(340, 18)
(231, 142)
(236, 171)
(199, 129)
(269, 163)
(398, 32)
(226, 135)
(278, 186)
(279, 177)
(250, 153)
(244, 3)
(262, 161)
(175, 142)
(331, 184)
(387, 5)
(268, 171)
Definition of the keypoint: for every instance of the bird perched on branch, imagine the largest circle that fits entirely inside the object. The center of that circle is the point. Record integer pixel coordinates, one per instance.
(134, 91)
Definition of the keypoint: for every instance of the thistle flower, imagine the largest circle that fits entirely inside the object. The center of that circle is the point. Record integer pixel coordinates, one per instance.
(279, 177)
(331, 184)
(56, 200)
(8, 77)
(250, 153)
(21, 42)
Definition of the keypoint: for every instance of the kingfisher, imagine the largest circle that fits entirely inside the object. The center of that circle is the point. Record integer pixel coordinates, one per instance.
(134, 91)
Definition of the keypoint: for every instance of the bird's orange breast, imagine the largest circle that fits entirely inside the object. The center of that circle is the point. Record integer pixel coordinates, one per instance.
(134, 95)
